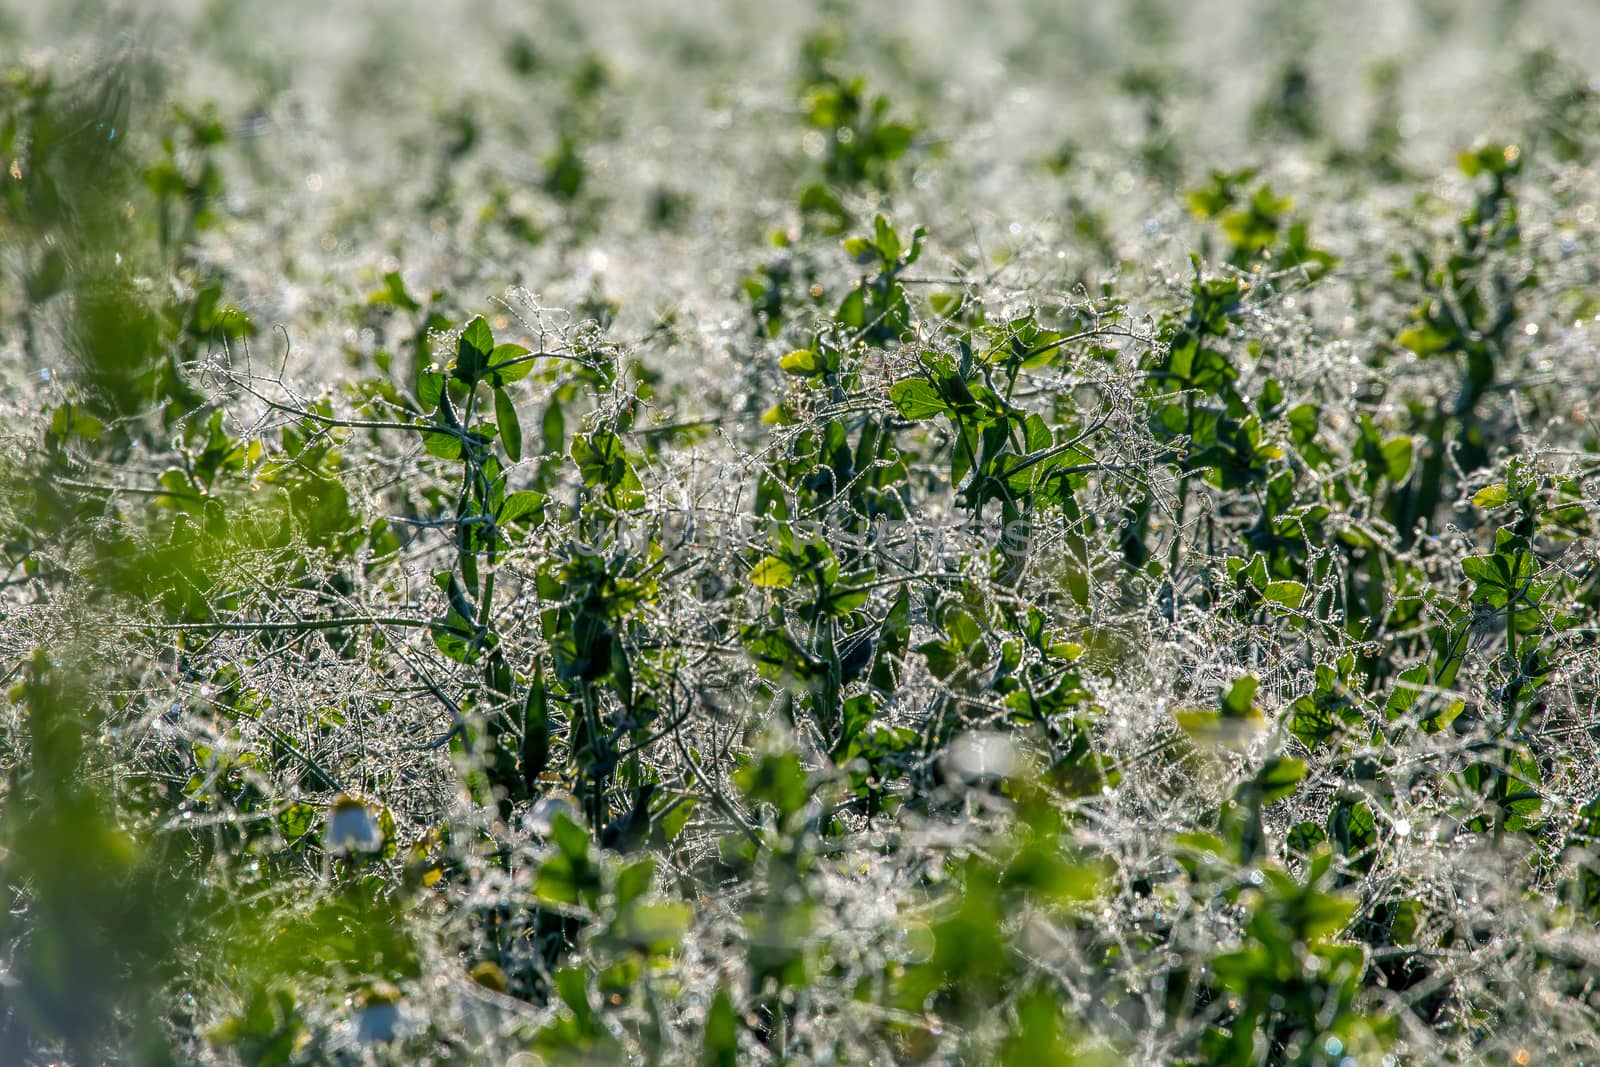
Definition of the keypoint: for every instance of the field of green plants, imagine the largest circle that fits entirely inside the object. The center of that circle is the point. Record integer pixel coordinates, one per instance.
(558, 532)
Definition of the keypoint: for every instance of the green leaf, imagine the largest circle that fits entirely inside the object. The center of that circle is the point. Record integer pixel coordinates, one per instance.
(1498, 577)
(1254, 572)
(603, 461)
(1239, 701)
(453, 636)
(572, 983)
(553, 427)
(1424, 339)
(1217, 731)
(886, 239)
(441, 444)
(386, 825)
(430, 386)
(1352, 827)
(721, 1048)
(1036, 434)
(860, 249)
(634, 881)
(1407, 688)
(534, 753)
(505, 416)
(1325, 914)
(504, 365)
(1289, 594)
(1305, 837)
(672, 823)
(916, 398)
(1196, 851)
(778, 779)
(893, 139)
(570, 836)
(69, 420)
(842, 602)
(655, 927)
(772, 573)
(1396, 453)
(1490, 159)
(472, 351)
(296, 820)
(478, 337)
(394, 293)
(1279, 778)
(1492, 496)
(803, 363)
(520, 505)
(852, 310)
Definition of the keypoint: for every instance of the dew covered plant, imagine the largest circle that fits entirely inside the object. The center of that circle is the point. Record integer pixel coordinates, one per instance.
(668, 533)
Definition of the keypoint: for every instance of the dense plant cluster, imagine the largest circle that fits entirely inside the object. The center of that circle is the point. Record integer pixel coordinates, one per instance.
(706, 542)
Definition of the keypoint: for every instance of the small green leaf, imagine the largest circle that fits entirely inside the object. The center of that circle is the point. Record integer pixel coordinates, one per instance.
(472, 351)
(842, 602)
(430, 386)
(887, 240)
(1325, 914)
(520, 505)
(1490, 159)
(721, 1048)
(1407, 688)
(441, 444)
(296, 820)
(1498, 577)
(778, 779)
(634, 881)
(603, 461)
(553, 427)
(1239, 701)
(394, 293)
(478, 337)
(860, 249)
(453, 636)
(1289, 594)
(803, 363)
(1492, 496)
(654, 927)
(893, 139)
(1424, 339)
(507, 365)
(916, 398)
(572, 983)
(672, 823)
(1396, 453)
(1199, 850)
(505, 416)
(1254, 572)
(386, 825)
(69, 420)
(1279, 778)
(1305, 837)
(534, 754)
(1217, 731)
(772, 573)
(852, 311)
